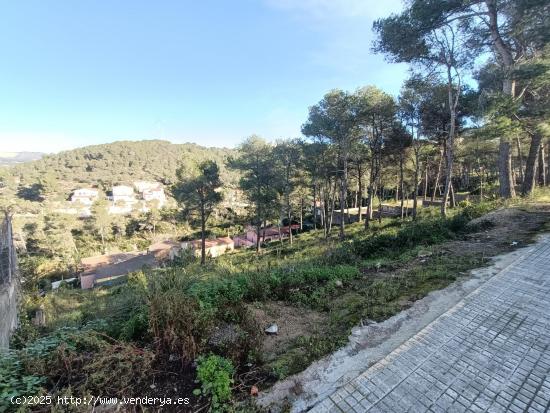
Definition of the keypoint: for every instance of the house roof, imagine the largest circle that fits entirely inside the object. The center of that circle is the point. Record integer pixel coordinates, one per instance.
(124, 267)
(164, 245)
(90, 264)
(272, 231)
(209, 243)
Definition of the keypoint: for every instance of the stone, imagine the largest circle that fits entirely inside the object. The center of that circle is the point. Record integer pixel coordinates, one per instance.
(272, 329)
(339, 283)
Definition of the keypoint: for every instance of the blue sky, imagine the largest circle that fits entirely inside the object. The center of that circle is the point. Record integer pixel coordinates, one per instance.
(76, 73)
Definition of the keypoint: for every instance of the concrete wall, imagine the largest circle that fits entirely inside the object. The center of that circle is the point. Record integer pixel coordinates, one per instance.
(8, 313)
(9, 283)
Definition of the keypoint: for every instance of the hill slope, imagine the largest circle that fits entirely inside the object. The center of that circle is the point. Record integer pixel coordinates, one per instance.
(120, 162)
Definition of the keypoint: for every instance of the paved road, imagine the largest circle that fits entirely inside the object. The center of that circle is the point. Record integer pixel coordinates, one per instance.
(489, 353)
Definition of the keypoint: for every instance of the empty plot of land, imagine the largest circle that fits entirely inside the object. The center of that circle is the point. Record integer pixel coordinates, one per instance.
(490, 352)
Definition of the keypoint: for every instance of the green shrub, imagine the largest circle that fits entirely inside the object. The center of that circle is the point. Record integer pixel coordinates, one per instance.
(177, 321)
(135, 327)
(214, 373)
(14, 381)
(472, 211)
(343, 254)
(423, 232)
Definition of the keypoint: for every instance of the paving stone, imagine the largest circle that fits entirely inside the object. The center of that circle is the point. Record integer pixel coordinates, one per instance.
(491, 353)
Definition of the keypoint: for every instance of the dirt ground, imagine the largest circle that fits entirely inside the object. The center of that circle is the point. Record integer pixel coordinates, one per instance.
(293, 322)
(507, 229)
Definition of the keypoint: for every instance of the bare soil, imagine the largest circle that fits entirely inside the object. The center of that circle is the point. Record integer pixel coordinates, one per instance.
(507, 229)
(292, 321)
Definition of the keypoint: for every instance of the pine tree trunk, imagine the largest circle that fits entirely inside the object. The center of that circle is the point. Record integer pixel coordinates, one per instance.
(520, 160)
(425, 191)
(332, 206)
(314, 208)
(203, 235)
(481, 186)
(531, 163)
(542, 166)
(438, 172)
(380, 188)
(343, 184)
(508, 88)
(359, 194)
(289, 217)
(370, 193)
(452, 195)
(505, 170)
(258, 232)
(449, 149)
(301, 213)
(416, 183)
(401, 185)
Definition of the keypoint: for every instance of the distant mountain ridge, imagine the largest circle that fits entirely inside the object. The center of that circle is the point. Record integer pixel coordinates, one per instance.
(12, 158)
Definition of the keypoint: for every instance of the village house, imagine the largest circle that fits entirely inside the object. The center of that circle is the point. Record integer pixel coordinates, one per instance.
(151, 191)
(267, 234)
(242, 242)
(214, 247)
(123, 199)
(165, 250)
(85, 196)
(123, 194)
(101, 269)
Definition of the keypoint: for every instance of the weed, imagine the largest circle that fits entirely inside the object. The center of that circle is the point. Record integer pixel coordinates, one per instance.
(14, 381)
(214, 373)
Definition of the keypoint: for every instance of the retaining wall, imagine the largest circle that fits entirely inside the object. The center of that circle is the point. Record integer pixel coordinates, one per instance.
(9, 283)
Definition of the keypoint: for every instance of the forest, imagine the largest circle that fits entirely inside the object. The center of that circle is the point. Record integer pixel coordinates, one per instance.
(392, 197)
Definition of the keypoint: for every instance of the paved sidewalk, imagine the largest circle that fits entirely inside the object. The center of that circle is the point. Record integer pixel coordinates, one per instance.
(489, 353)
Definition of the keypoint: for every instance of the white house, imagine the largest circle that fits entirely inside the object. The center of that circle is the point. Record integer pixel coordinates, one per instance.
(154, 195)
(151, 191)
(123, 194)
(86, 196)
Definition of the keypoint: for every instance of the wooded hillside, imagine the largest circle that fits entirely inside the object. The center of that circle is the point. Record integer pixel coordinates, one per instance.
(117, 163)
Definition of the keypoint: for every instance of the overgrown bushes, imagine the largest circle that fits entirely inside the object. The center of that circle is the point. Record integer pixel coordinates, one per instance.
(423, 232)
(175, 315)
(82, 360)
(15, 381)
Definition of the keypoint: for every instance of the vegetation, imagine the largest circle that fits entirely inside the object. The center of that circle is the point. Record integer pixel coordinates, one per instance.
(117, 163)
(199, 190)
(163, 320)
(214, 373)
(366, 163)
